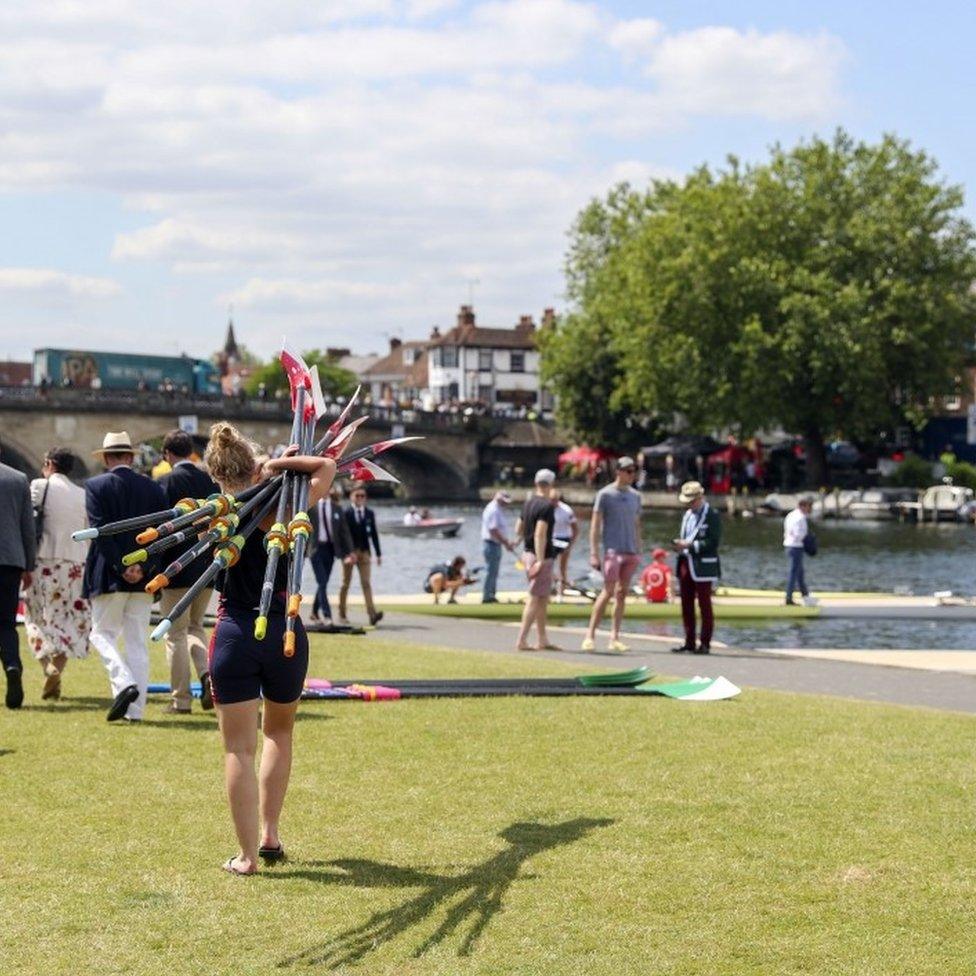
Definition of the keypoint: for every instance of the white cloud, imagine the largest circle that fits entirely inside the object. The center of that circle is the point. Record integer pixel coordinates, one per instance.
(290, 294)
(55, 284)
(358, 158)
(635, 38)
(721, 71)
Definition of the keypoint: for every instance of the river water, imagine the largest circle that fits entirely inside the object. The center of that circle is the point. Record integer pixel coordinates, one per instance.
(884, 556)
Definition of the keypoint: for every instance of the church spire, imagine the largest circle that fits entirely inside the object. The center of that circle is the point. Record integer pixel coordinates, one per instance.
(231, 352)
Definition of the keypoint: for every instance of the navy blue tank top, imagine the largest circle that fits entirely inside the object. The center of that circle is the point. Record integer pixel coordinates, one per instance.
(240, 586)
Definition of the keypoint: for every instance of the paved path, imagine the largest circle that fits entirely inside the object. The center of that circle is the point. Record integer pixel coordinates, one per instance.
(946, 690)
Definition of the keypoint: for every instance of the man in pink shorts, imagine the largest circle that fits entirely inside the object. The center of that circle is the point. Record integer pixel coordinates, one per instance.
(615, 523)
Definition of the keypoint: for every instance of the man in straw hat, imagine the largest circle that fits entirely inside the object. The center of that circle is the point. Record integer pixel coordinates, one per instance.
(698, 565)
(120, 605)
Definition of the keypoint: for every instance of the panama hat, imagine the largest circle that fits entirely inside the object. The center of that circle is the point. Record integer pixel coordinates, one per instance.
(116, 443)
(690, 490)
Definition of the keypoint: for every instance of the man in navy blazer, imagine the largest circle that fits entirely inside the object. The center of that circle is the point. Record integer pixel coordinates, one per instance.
(331, 539)
(18, 550)
(362, 526)
(120, 605)
(186, 640)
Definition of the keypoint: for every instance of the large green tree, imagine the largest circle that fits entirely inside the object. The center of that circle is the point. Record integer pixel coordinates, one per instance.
(828, 290)
(335, 380)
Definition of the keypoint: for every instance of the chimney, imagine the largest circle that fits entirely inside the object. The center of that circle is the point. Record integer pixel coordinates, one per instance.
(395, 343)
(435, 334)
(466, 315)
(525, 324)
(548, 318)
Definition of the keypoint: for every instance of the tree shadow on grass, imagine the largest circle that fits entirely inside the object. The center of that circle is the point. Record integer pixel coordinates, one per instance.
(480, 892)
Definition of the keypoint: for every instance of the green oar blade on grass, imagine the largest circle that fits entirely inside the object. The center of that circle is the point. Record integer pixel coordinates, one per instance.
(694, 689)
(635, 677)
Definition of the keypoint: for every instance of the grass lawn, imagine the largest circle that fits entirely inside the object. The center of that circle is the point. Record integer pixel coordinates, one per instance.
(581, 611)
(775, 834)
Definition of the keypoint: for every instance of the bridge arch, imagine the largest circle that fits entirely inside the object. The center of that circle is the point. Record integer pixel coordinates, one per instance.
(426, 475)
(21, 457)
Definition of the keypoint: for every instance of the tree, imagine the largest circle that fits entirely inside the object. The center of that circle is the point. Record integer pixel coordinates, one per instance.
(828, 290)
(335, 380)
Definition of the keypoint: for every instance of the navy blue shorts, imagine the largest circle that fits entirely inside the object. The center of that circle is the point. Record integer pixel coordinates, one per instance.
(242, 668)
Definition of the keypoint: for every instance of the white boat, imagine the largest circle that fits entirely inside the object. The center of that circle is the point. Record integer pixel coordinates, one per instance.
(447, 528)
(939, 503)
(879, 504)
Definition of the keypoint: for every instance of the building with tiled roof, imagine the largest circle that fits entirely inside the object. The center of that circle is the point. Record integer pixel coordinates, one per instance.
(494, 366)
(399, 377)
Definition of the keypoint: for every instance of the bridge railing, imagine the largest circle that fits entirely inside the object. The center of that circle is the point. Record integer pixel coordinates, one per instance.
(215, 406)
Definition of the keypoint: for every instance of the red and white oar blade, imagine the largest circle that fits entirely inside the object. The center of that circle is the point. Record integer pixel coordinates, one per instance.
(318, 401)
(380, 446)
(336, 425)
(297, 371)
(343, 439)
(364, 470)
(371, 450)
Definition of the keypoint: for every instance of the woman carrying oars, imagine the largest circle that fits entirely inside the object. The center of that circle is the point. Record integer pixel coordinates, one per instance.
(242, 668)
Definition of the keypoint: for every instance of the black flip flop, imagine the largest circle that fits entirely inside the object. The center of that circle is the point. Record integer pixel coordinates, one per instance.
(272, 855)
(230, 869)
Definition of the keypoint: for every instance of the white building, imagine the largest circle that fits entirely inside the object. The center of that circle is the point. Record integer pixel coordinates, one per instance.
(495, 366)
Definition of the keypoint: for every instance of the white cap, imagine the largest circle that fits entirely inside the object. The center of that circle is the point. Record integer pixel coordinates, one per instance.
(544, 476)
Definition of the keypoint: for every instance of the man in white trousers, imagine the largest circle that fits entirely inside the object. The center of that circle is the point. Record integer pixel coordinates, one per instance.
(120, 605)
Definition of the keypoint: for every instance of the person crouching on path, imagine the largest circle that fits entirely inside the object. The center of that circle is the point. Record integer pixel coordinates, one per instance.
(444, 578)
(698, 565)
(536, 526)
(244, 670)
(119, 603)
(616, 522)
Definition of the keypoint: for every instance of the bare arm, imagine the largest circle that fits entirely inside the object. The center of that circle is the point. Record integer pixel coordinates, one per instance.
(539, 543)
(596, 528)
(321, 469)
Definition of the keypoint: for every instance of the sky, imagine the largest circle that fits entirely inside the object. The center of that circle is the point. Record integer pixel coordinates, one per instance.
(345, 171)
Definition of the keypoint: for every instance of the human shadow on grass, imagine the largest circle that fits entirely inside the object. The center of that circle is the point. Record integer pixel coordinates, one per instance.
(7, 752)
(481, 890)
(80, 703)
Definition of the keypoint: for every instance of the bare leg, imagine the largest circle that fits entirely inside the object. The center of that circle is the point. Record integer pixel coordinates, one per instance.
(541, 618)
(528, 618)
(239, 728)
(620, 600)
(599, 608)
(279, 722)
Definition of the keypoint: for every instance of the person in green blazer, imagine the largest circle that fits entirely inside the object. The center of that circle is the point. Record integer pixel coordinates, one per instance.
(698, 565)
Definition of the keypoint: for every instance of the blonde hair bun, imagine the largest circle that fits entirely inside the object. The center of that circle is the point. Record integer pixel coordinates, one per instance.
(229, 457)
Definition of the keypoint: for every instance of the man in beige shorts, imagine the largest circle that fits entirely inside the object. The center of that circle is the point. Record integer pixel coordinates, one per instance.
(536, 527)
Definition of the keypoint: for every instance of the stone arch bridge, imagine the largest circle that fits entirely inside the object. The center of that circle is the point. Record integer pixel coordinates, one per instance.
(447, 463)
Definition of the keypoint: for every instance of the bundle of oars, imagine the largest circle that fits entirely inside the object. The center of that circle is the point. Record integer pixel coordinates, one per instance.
(220, 526)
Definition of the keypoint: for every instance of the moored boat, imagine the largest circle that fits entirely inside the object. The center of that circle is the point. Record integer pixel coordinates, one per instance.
(445, 527)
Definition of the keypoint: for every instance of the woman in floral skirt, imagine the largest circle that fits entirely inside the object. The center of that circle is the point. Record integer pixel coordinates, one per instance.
(58, 620)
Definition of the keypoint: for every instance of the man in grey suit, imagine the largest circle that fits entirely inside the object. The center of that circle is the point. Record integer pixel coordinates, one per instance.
(18, 549)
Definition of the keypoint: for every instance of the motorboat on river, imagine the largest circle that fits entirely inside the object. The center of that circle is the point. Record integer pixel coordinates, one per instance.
(939, 503)
(446, 528)
(880, 504)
